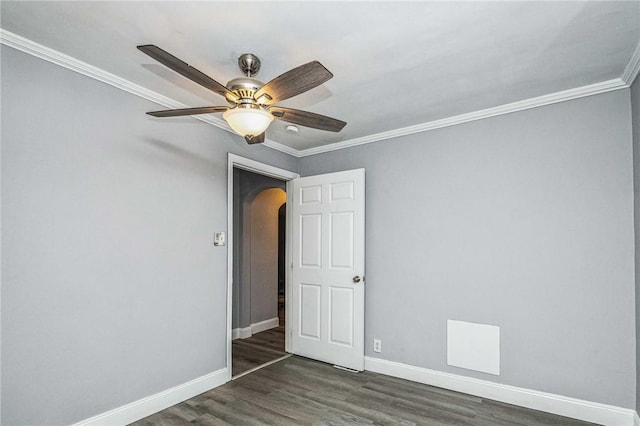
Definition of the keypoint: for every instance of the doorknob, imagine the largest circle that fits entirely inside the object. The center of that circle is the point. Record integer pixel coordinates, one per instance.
(356, 279)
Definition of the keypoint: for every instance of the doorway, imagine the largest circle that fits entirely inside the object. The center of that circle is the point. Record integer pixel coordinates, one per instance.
(324, 314)
(258, 315)
(258, 250)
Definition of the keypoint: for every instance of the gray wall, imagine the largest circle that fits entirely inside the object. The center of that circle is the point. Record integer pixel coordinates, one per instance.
(110, 279)
(111, 287)
(524, 221)
(246, 186)
(635, 118)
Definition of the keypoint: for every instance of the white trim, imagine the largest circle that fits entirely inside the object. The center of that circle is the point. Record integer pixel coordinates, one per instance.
(246, 332)
(241, 333)
(288, 267)
(267, 324)
(636, 419)
(263, 169)
(280, 147)
(633, 67)
(152, 404)
(260, 168)
(565, 95)
(51, 55)
(28, 46)
(542, 401)
(0, 262)
(39, 51)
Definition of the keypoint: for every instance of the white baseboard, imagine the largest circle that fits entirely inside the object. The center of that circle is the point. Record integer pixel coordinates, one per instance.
(556, 404)
(152, 404)
(636, 420)
(241, 333)
(265, 325)
(245, 333)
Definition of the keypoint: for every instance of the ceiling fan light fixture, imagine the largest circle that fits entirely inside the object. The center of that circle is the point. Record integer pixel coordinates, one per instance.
(249, 121)
(252, 103)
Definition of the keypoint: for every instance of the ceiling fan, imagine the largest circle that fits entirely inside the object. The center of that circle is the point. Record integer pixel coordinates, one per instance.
(251, 102)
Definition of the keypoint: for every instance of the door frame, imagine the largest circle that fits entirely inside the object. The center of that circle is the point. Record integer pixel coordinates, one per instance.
(257, 167)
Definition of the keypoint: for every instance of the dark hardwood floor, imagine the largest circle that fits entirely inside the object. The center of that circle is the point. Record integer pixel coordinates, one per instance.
(299, 391)
(258, 349)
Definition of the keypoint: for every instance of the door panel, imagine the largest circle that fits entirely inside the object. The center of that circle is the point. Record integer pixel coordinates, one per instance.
(310, 304)
(341, 303)
(310, 240)
(341, 236)
(341, 191)
(328, 252)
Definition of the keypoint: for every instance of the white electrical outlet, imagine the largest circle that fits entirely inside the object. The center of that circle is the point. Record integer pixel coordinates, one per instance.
(377, 345)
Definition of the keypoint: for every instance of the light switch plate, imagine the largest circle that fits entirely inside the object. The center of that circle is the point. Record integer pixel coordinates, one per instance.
(219, 239)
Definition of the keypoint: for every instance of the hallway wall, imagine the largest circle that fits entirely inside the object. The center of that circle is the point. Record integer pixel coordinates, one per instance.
(247, 186)
(264, 254)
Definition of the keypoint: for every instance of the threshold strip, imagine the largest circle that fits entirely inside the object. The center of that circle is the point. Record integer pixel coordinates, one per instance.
(266, 364)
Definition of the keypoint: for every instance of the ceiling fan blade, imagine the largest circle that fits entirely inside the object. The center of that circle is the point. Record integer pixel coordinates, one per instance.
(307, 119)
(294, 82)
(181, 67)
(188, 111)
(255, 139)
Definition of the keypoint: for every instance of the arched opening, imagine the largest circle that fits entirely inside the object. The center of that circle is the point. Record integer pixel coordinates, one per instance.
(282, 245)
(259, 259)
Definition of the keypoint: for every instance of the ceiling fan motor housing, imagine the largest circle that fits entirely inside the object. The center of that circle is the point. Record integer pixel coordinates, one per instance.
(245, 88)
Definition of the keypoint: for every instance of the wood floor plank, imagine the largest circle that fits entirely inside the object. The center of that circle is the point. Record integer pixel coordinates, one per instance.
(433, 391)
(515, 415)
(299, 391)
(407, 410)
(234, 399)
(164, 418)
(263, 401)
(426, 400)
(229, 414)
(185, 411)
(209, 420)
(257, 350)
(376, 416)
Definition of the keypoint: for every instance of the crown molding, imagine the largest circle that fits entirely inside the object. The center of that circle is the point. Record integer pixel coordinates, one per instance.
(633, 67)
(35, 49)
(565, 95)
(51, 55)
(282, 148)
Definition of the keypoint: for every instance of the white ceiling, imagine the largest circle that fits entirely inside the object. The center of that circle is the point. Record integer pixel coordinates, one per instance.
(394, 64)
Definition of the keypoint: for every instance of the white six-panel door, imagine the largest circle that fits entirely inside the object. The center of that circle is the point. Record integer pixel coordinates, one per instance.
(327, 298)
